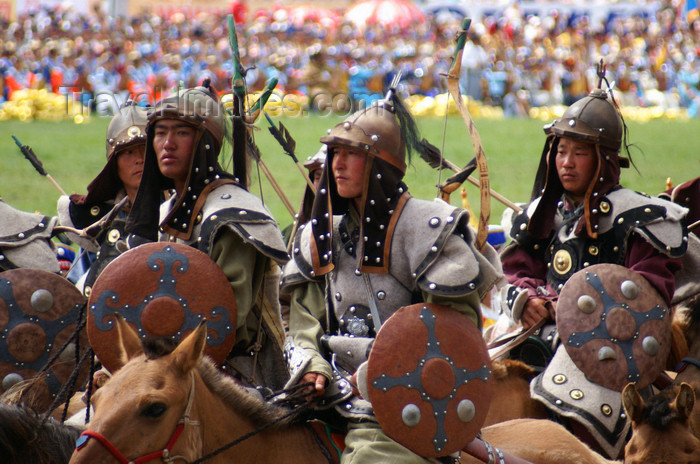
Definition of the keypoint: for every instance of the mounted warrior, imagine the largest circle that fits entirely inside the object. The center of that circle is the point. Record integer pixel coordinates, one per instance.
(599, 259)
(210, 211)
(116, 184)
(369, 249)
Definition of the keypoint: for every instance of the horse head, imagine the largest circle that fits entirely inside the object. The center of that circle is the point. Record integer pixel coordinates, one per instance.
(143, 412)
(660, 427)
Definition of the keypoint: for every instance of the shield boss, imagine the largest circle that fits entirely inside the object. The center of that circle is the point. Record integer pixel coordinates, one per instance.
(428, 379)
(164, 290)
(615, 326)
(39, 313)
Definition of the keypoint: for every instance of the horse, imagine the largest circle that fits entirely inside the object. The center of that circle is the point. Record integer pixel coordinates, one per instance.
(689, 372)
(179, 404)
(539, 441)
(511, 393)
(176, 403)
(661, 431)
(28, 438)
(660, 434)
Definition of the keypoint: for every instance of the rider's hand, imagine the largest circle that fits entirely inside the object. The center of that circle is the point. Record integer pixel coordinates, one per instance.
(535, 310)
(319, 382)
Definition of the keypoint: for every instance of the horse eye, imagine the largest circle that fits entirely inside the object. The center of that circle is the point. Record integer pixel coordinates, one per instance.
(154, 410)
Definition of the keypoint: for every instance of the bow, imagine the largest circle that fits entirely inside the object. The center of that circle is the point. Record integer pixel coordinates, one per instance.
(452, 78)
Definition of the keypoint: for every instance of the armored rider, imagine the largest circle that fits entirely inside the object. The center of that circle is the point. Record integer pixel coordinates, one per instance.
(210, 210)
(120, 177)
(581, 216)
(369, 249)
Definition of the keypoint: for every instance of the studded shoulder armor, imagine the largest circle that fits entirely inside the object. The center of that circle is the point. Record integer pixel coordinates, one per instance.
(299, 269)
(622, 212)
(445, 262)
(25, 240)
(520, 234)
(232, 206)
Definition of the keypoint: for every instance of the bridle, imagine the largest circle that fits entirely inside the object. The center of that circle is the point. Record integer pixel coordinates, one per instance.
(163, 454)
(685, 362)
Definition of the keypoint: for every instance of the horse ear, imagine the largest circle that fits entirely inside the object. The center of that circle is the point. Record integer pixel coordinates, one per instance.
(187, 354)
(684, 402)
(632, 402)
(129, 341)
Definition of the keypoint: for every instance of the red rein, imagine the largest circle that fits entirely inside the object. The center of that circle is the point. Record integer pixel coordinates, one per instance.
(164, 454)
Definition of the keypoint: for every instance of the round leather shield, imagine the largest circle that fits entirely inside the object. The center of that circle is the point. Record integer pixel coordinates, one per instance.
(39, 313)
(615, 326)
(428, 379)
(164, 290)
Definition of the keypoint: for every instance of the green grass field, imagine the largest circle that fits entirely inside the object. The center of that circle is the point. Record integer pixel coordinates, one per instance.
(74, 153)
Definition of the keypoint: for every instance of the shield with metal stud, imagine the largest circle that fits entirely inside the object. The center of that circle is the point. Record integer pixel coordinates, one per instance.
(163, 290)
(428, 379)
(614, 325)
(39, 314)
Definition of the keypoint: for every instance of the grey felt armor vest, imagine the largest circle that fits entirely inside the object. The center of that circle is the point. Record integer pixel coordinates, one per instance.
(431, 252)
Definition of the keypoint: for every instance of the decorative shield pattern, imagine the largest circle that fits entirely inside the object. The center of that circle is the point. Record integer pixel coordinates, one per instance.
(39, 313)
(614, 325)
(164, 290)
(428, 379)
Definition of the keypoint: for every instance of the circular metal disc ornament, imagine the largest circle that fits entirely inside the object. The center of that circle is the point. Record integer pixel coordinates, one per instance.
(39, 312)
(164, 290)
(607, 344)
(428, 379)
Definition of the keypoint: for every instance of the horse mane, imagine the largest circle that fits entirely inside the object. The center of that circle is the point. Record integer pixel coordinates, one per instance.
(154, 348)
(658, 412)
(28, 438)
(246, 401)
(694, 312)
(687, 317)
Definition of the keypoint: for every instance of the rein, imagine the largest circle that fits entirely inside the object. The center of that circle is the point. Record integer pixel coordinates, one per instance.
(685, 362)
(164, 454)
(242, 438)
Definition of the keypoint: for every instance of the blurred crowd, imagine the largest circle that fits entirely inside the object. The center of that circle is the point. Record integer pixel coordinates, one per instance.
(513, 61)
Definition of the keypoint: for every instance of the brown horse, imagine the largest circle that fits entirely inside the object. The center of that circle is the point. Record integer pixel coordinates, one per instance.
(179, 404)
(660, 434)
(539, 441)
(511, 393)
(689, 319)
(660, 427)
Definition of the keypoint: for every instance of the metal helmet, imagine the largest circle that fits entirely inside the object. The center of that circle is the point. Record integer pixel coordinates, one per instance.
(317, 160)
(593, 119)
(128, 127)
(200, 106)
(375, 130)
(387, 132)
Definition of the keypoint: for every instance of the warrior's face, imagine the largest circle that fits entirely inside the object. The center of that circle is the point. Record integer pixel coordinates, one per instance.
(348, 171)
(576, 163)
(130, 167)
(173, 142)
